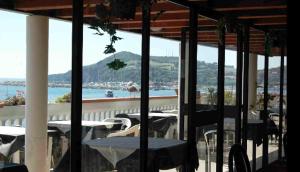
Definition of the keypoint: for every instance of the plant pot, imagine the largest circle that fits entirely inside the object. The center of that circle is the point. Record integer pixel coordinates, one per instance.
(102, 12)
(124, 9)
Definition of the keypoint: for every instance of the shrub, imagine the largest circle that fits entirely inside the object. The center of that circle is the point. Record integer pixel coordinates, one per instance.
(228, 98)
(64, 99)
(14, 100)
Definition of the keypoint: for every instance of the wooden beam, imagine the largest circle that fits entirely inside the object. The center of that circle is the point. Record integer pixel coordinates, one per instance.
(91, 12)
(263, 17)
(262, 6)
(171, 24)
(31, 5)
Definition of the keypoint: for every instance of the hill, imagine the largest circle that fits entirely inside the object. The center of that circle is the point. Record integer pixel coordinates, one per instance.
(162, 69)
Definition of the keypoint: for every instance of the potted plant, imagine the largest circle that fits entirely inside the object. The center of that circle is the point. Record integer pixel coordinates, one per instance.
(124, 9)
(116, 64)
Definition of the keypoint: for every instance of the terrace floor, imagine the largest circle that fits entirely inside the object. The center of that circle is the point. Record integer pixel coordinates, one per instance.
(273, 154)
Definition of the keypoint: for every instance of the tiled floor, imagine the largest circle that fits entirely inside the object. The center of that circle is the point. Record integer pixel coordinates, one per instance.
(277, 166)
(273, 152)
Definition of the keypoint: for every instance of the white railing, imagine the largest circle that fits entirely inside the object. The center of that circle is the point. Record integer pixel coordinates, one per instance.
(93, 110)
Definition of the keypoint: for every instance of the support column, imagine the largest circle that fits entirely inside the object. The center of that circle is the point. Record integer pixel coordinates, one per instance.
(192, 81)
(239, 85)
(145, 84)
(221, 78)
(182, 79)
(245, 86)
(265, 157)
(252, 81)
(36, 93)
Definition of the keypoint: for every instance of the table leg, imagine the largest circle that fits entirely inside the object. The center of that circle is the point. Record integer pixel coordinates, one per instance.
(254, 155)
(16, 157)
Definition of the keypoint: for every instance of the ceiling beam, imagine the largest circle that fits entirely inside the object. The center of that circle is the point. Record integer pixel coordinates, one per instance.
(171, 24)
(31, 5)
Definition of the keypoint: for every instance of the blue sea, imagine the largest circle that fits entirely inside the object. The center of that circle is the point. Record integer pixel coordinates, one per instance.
(87, 93)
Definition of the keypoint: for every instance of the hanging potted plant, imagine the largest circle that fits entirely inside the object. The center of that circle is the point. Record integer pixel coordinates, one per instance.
(116, 64)
(105, 12)
(123, 9)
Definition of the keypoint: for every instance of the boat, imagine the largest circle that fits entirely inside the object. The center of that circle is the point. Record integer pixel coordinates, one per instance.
(109, 93)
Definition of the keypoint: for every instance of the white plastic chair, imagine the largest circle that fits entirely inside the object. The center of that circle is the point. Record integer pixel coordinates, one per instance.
(126, 123)
(133, 131)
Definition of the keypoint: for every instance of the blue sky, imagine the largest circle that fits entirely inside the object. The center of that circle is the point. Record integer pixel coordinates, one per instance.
(13, 46)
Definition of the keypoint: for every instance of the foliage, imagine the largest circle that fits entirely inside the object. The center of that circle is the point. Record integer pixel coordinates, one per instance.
(268, 44)
(220, 27)
(228, 98)
(116, 64)
(64, 99)
(260, 100)
(212, 96)
(158, 14)
(14, 101)
(105, 25)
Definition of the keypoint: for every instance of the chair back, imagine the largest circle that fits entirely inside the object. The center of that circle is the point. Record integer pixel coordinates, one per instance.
(285, 145)
(133, 131)
(126, 123)
(134, 121)
(238, 154)
(162, 125)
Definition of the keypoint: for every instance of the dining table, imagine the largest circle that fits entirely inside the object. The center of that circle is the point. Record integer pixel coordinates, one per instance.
(12, 167)
(124, 152)
(12, 139)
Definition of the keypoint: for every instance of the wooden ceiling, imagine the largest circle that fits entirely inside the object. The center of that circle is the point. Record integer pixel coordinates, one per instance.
(261, 15)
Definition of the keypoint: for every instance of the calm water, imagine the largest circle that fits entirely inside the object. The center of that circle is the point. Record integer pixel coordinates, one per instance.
(53, 93)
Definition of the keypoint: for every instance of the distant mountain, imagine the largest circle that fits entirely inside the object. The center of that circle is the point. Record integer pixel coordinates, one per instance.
(162, 69)
(274, 76)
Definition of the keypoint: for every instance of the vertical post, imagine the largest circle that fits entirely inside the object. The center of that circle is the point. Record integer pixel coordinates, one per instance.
(192, 78)
(252, 80)
(145, 85)
(239, 85)
(221, 78)
(76, 88)
(36, 109)
(245, 90)
(265, 112)
(281, 101)
(182, 83)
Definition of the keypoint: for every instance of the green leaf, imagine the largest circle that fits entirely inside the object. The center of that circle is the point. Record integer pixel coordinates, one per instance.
(158, 15)
(109, 49)
(116, 64)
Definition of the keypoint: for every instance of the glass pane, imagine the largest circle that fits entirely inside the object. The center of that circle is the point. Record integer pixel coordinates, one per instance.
(207, 81)
(115, 113)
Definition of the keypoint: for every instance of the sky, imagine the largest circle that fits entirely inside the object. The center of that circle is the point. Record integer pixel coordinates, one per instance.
(13, 47)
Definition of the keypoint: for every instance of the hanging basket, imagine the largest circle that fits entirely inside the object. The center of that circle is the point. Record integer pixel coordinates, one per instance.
(124, 9)
(102, 12)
